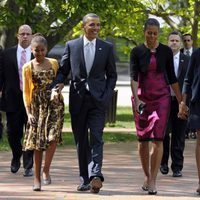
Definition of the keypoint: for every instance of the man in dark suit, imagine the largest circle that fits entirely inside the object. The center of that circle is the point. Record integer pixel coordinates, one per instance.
(192, 86)
(188, 50)
(176, 126)
(93, 71)
(12, 100)
(187, 44)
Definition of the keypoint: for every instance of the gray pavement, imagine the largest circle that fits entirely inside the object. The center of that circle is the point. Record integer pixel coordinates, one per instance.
(122, 171)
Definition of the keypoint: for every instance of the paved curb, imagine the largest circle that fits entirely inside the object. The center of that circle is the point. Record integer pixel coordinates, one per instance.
(122, 172)
(112, 130)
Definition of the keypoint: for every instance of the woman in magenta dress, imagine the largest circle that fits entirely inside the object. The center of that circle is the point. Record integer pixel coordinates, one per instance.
(152, 71)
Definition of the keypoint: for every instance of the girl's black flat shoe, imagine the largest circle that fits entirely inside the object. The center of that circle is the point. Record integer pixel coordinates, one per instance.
(47, 181)
(145, 188)
(37, 187)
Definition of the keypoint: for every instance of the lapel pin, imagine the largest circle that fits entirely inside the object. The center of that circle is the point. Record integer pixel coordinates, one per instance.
(100, 48)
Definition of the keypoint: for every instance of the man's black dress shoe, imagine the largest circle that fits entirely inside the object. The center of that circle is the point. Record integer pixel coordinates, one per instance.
(187, 136)
(164, 169)
(177, 174)
(28, 172)
(193, 135)
(15, 165)
(83, 187)
(95, 184)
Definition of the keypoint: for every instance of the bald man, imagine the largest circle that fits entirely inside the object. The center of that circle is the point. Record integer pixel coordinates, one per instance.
(12, 100)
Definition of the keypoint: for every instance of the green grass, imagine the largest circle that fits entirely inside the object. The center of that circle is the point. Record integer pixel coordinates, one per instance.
(124, 119)
(68, 139)
(4, 146)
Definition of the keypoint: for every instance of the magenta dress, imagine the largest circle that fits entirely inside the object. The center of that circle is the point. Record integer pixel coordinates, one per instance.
(154, 91)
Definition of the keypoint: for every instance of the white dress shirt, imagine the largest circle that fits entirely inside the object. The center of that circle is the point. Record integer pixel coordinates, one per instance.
(176, 63)
(176, 66)
(19, 52)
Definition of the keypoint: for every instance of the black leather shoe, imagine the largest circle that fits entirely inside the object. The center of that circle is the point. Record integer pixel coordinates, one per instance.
(164, 169)
(95, 184)
(15, 165)
(193, 135)
(28, 172)
(177, 174)
(83, 187)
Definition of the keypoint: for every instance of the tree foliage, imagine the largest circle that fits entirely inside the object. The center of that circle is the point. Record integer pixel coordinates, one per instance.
(180, 15)
(60, 20)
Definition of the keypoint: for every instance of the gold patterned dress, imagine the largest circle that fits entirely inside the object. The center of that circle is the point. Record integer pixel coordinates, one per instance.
(49, 115)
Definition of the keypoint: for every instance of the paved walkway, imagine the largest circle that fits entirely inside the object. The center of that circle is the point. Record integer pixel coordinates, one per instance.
(122, 171)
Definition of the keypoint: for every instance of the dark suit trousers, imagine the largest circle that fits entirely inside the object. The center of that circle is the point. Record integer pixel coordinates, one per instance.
(88, 127)
(16, 122)
(177, 129)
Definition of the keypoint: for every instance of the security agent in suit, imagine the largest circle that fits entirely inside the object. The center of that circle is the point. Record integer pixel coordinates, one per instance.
(192, 84)
(188, 50)
(187, 44)
(90, 92)
(176, 126)
(12, 100)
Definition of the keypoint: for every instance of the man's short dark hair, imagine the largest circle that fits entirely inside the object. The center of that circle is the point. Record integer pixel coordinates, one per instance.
(175, 33)
(93, 15)
(187, 34)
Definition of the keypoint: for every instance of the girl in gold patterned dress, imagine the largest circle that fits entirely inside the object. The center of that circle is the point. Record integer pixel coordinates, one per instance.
(45, 117)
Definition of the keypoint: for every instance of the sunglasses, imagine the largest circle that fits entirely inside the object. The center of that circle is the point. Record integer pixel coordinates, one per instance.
(187, 40)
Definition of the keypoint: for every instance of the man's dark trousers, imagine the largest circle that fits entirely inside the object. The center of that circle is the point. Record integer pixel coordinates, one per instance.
(92, 117)
(177, 129)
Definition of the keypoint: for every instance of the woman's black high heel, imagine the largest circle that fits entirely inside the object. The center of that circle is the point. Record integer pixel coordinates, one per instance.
(152, 192)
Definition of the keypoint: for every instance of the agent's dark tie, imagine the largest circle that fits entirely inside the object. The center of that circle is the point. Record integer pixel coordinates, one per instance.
(187, 53)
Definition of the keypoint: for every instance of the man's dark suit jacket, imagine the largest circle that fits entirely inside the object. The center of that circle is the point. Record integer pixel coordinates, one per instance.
(101, 79)
(1, 60)
(182, 69)
(192, 78)
(9, 81)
